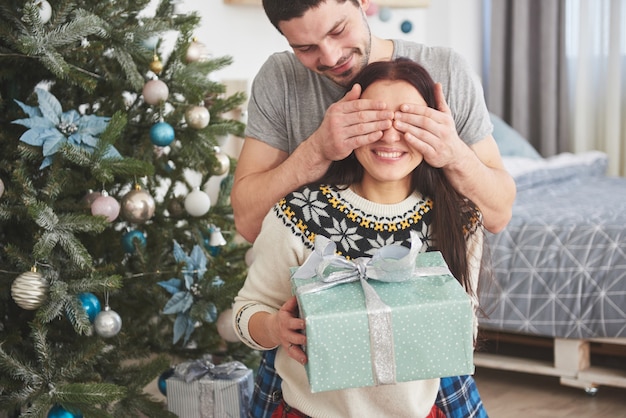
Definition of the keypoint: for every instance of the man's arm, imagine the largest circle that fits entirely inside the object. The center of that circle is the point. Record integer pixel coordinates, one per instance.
(481, 176)
(265, 174)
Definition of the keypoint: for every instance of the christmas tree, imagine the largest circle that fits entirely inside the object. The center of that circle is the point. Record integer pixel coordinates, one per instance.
(114, 262)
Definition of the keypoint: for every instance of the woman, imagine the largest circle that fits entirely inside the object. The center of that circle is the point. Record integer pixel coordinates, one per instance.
(375, 197)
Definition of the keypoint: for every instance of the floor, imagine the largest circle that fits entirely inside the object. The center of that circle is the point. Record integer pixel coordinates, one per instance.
(520, 395)
(516, 395)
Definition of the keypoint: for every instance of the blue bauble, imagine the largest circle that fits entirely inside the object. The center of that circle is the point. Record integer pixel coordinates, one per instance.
(57, 411)
(91, 305)
(384, 14)
(162, 134)
(406, 26)
(129, 238)
(161, 383)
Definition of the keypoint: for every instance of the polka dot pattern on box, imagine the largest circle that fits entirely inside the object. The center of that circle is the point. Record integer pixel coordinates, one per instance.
(432, 322)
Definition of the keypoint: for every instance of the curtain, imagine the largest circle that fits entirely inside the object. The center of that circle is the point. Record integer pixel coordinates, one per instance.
(526, 81)
(597, 69)
(556, 72)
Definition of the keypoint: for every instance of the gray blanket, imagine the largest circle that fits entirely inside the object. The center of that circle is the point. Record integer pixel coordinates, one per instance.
(559, 267)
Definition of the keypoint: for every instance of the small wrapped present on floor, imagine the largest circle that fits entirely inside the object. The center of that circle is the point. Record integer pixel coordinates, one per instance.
(200, 389)
(395, 317)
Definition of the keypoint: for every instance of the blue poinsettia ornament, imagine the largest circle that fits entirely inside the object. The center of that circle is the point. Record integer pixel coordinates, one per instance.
(183, 291)
(51, 128)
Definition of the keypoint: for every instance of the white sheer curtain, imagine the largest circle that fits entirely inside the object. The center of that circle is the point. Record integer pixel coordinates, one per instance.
(596, 57)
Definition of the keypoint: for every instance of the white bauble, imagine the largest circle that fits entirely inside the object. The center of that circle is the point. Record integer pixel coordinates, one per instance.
(196, 52)
(45, 11)
(197, 203)
(225, 327)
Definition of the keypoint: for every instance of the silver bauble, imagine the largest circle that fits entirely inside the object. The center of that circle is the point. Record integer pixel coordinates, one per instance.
(29, 290)
(197, 117)
(107, 323)
(137, 206)
(222, 165)
(1, 187)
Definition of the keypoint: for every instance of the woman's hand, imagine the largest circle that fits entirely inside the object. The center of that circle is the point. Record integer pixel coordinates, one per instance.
(288, 329)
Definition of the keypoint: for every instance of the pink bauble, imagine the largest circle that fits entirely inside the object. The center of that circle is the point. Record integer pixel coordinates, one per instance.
(107, 206)
(372, 9)
(225, 327)
(155, 92)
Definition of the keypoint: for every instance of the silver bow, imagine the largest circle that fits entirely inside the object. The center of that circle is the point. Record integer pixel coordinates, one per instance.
(392, 263)
(197, 369)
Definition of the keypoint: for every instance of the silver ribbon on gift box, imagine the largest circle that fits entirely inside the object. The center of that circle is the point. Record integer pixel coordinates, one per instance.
(203, 368)
(391, 263)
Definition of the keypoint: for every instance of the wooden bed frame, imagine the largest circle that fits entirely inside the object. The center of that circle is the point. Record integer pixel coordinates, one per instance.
(571, 360)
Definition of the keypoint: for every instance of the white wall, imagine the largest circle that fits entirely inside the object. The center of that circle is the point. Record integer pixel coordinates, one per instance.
(244, 33)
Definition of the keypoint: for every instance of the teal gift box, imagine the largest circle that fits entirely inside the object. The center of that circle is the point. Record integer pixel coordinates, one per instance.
(396, 317)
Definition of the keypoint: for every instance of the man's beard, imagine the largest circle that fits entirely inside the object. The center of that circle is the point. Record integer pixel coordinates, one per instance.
(344, 78)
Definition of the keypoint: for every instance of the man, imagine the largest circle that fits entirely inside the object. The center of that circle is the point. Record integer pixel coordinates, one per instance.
(300, 119)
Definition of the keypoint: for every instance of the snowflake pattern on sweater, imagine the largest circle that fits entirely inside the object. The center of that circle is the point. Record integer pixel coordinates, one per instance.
(309, 212)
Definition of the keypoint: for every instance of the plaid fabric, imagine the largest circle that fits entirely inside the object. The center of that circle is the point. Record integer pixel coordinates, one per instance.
(458, 396)
(267, 394)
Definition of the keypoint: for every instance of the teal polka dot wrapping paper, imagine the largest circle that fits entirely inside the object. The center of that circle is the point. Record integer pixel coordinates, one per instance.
(431, 329)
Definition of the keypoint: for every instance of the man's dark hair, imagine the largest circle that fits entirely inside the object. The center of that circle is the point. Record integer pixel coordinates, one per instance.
(283, 10)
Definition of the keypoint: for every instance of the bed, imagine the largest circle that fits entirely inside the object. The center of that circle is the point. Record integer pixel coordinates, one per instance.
(558, 271)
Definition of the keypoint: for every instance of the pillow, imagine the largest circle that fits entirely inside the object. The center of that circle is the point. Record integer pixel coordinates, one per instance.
(510, 142)
(564, 167)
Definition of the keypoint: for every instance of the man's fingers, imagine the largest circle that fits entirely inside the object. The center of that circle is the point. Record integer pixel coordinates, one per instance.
(442, 105)
(353, 94)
